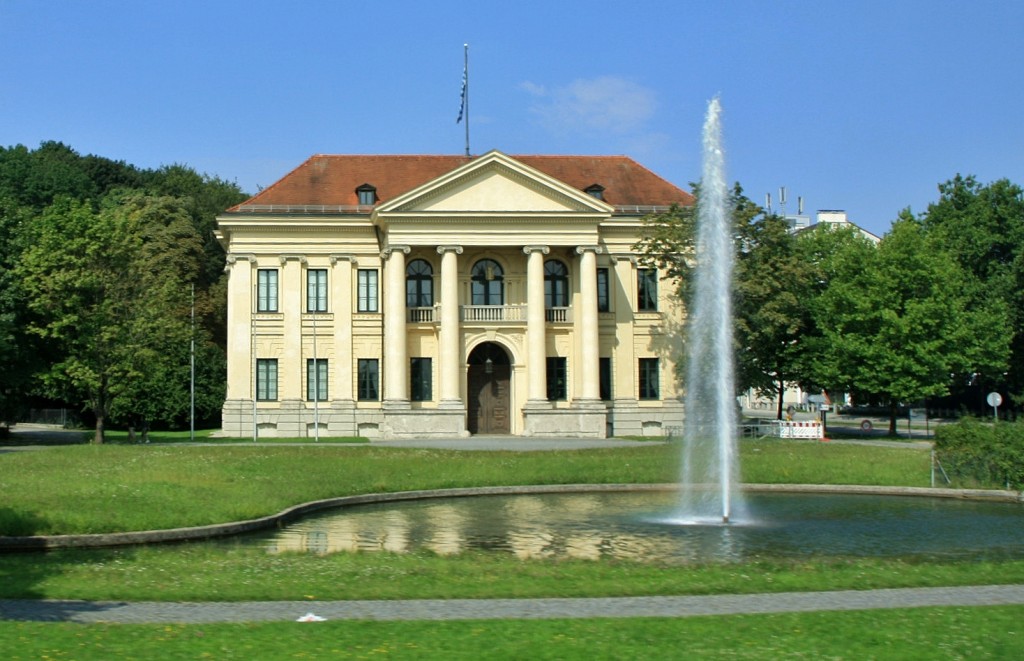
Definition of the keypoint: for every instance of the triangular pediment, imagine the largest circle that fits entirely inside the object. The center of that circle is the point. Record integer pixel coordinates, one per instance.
(495, 183)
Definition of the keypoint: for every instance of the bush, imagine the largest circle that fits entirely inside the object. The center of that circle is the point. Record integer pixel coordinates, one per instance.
(982, 454)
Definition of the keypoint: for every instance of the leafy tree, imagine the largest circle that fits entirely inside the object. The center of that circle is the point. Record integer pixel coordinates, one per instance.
(772, 313)
(16, 348)
(893, 324)
(53, 179)
(982, 226)
(105, 286)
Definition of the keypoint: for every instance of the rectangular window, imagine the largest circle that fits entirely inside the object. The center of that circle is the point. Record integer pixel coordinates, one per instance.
(605, 378)
(266, 379)
(420, 377)
(367, 290)
(266, 290)
(316, 290)
(647, 290)
(649, 388)
(603, 291)
(369, 380)
(556, 379)
(316, 379)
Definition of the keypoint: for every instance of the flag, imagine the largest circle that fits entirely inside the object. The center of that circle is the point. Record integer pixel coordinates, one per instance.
(462, 103)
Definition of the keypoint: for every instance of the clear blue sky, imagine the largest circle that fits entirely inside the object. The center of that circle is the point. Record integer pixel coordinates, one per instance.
(863, 106)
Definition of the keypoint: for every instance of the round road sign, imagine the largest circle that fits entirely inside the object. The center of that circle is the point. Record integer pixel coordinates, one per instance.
(994, 399)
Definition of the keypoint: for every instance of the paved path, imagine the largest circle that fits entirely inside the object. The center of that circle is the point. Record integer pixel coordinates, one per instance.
(500, 609)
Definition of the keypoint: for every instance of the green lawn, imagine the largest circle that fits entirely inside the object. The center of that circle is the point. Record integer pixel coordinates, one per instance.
(924, 633)
(111, 488)
(86, 488)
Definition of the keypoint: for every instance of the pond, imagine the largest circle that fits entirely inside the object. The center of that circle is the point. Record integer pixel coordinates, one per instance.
(636, 526)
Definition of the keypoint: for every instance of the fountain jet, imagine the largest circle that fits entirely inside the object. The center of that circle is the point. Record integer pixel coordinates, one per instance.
(709, 476)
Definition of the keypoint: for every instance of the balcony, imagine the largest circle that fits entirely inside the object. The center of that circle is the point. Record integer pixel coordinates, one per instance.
(558, 315)
(422, 315)
(487, 313)
(492, 313)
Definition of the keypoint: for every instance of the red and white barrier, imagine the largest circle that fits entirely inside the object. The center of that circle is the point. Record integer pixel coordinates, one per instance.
(798, 429)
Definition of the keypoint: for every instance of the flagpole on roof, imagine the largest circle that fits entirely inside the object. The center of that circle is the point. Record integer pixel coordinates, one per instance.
(464, 108)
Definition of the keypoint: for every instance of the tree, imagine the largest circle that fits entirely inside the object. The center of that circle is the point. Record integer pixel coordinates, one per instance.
(106, 288)
(982, 227)
(772, 314)
(16, 348)
(893, 324)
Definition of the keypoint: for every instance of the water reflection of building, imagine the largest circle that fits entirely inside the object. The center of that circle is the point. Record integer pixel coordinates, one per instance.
(528, 526)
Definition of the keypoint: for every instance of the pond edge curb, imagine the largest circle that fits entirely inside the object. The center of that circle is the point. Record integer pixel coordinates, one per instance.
(198, 533)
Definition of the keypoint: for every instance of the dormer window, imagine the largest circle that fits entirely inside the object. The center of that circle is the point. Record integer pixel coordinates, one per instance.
(367, 195)
(595, 190)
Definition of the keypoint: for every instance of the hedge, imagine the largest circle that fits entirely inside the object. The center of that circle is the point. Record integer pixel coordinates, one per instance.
(982, 454)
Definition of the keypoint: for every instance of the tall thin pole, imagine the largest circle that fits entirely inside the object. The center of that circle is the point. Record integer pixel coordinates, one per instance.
(316, 374)
(466, 69)
(192, 382)
(253, 361)
(464, 101)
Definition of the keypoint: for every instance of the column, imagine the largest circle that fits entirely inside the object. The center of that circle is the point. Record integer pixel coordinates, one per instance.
(449, 336)
(395, 351)
(240, 269)
(590, 389)
(341, 306)
(290, 365)
(536, 343)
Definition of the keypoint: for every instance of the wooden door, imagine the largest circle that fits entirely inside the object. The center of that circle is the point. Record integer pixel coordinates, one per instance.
(489, 399)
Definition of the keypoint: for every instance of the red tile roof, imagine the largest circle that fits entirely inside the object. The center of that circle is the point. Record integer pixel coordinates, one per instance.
(332, 180)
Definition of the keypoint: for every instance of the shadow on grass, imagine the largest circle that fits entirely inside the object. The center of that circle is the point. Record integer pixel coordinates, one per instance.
(25, 572)
(34, 436)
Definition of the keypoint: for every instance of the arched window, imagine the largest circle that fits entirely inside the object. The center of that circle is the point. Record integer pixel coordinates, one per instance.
(488, 283)
(556, 284)
(419, 284)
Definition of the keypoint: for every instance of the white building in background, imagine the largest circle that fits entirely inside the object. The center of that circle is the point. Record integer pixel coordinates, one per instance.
(419, 296)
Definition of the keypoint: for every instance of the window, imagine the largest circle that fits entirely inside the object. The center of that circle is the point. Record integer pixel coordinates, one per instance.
(649, 378)
(316, 379)
(369, 380)
(266, 379)
(595, 190)
(316, 290)
(367, 195)
(647, 290)
(488, 279)
(556, 378)
(419, 284)
(603, 291)
(367, 290)
(420, 380)
(604, 368)
(556, 285)
(266, 290)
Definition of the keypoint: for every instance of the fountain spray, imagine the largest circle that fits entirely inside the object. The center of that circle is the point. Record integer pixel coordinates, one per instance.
(709, 479)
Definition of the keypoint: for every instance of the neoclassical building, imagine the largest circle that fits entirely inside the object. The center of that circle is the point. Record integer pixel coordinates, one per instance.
(444, 296)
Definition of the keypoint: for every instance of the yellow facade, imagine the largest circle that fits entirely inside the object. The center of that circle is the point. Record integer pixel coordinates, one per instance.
(439, 313)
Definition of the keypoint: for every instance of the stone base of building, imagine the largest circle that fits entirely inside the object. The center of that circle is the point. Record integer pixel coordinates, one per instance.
(581, 422)
(629, 418)
(296, 419)
(448, 422)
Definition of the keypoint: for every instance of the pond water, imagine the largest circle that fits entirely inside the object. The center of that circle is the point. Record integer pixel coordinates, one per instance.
(635, 525)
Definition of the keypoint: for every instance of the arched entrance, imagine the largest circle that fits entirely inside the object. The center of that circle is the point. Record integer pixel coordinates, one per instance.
(489, 398)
